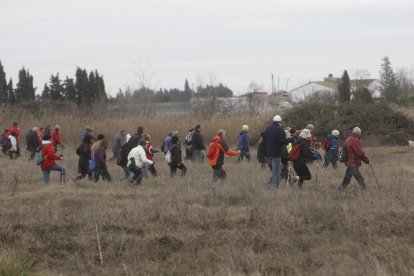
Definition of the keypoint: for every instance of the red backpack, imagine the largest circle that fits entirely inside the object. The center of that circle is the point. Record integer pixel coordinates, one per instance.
(326, 145)
(294, 154)
(212, 151)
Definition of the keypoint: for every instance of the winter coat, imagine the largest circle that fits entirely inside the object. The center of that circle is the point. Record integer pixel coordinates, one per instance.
(15, 130)
(13, 142)
(49, 156)
(166, 144)
(138, 153)
(32, 140)
(100, 157)
(197, 141)
(355, 151)
(128, 146)
(150, 151)
(274, 139)
(221, 150)
(84, 153)
(117, 142)
(243, 142)
(56, 139)
(306, 154)
(333, 151)
(176, 155)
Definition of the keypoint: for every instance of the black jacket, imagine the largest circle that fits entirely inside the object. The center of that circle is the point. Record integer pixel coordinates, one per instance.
(175, 154)
(274, 139)
(197, 141)
(31, 140)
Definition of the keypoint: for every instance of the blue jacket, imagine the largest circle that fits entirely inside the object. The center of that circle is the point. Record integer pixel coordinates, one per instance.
(274, 139)
(243, 142)
(333, 151)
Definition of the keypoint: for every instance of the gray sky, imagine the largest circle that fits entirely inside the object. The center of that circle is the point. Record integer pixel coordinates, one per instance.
(235, 41)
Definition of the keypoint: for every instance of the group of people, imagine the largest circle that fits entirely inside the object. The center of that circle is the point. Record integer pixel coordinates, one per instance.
(279, 147)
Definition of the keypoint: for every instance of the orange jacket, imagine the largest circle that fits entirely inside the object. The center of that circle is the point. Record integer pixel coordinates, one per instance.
(221, 150)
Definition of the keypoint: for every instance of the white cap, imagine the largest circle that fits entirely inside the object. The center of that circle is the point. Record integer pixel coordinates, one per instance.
(277, 118)
(335, 133)
(357, 131)
(305, 133)
(310, 127)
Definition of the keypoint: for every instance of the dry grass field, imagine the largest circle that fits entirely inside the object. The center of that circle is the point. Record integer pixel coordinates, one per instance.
(187, 226)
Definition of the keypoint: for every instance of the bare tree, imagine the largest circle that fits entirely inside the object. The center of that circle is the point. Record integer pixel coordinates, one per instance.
(359, 75)
(405, 81)
(144, 71)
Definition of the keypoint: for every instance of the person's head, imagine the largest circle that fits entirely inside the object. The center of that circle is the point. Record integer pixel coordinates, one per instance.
(292, 131)
(122, 132)
(41, 128)
(305, 133)
(357, 131)
(35, 129)
(87, 128)
(57, 127)
(142, 142)
(146, 137)
(140, 130)
(47, 137)
(277, 119)
(197, 128)
(6, 130)
(174, 140)
(15, 124)
(335, 133)
(100, 137)
(13, 133)
(175, 133)
(221, 133)
(245, 128)
(310, 127)
(288, 135)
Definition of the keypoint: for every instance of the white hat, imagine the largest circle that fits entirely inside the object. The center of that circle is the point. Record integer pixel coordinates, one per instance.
(305, 133)
(357, 131)
(310, 126)
(277, 118)
(335, 133)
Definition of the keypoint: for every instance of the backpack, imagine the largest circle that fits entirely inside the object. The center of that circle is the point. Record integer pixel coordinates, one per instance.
(6, 143)
(92, 164)
(343, 155)
(39, 158)
(294, 154)
(326, 145)
(212, 150)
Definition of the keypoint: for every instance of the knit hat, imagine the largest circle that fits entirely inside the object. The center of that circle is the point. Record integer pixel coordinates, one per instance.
(221, 132)
(357, 131)
(310, 126)
(245, 128)
(335, 133)
(305, 133)
(142, 142)
(277, 118)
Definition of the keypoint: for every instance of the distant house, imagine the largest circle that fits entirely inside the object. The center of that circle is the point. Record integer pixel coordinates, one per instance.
(330, 86)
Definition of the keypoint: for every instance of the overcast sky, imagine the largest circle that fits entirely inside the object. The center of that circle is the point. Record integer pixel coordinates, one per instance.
(235, 41)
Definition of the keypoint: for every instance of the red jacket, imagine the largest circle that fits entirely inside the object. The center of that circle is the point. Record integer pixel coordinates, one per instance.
(56, 140)
(148, 147)
(221, 150)
(49, 157)
(16, 130)
(355, 152)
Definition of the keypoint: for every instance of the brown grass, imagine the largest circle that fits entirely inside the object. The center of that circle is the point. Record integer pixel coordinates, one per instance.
(186, 226)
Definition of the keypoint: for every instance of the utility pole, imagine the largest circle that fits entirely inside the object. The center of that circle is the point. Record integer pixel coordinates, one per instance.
(273, 84)
(287, 84)
(278, 82)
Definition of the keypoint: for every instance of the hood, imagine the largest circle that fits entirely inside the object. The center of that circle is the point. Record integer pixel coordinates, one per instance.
(218, 138)
(46, 142)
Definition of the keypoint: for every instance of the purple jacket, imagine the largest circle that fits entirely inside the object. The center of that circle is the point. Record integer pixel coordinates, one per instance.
(100, 157)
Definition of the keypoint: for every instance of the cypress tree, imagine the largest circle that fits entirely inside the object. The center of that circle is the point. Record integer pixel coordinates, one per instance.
(46, 92)
(56, 88)
(10, 93)
(3, 86)
(24, 87)
(388, 81)
(82, 86)
(344, 88)
(69, 90)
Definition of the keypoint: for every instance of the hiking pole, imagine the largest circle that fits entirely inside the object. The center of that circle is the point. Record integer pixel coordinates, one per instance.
(289, 174)
(373, 172)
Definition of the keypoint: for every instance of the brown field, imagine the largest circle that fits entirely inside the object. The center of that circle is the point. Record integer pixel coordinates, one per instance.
(187, 226)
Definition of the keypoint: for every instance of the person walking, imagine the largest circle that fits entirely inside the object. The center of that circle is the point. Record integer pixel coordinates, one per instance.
(13, 150)
(84, 153)
(176, 157)
(56, 138)
(243, 141)
(15, 128)
(49, 160)
(117, 142)
(136, 159)
(32, 142)
(99, 153)
(126, 148)
(356, 154)
(218, 148)
(274, 139)
(198, 148)
(305, 155)
(150, 151)
(331, 146)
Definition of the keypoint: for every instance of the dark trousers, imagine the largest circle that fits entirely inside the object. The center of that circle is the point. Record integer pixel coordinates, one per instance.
(302, 171)
(219, 173)
(175, 166)
(285, 170)
(352, 171)
(103, 172)
(13, 154)
(330, 160)
(152, 170)
(244, 154)
(138, 174)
